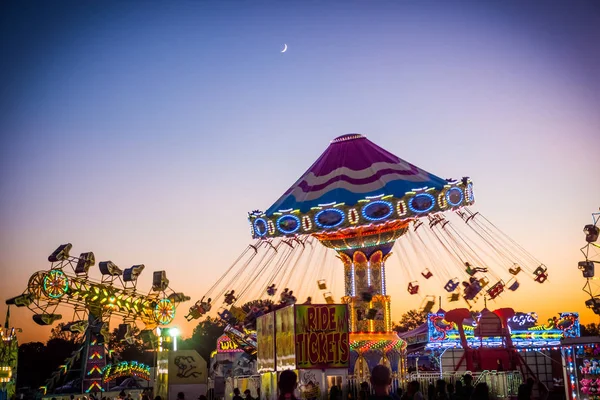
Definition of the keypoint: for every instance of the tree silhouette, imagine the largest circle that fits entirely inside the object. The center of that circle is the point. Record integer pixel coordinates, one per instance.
(204, 337)
(590, 330)
(410, 320)
(132, 350)
(38, 361)
(57, 332)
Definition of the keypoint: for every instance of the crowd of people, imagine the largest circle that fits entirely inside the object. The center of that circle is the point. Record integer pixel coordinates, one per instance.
(381, 381)
(379, 389)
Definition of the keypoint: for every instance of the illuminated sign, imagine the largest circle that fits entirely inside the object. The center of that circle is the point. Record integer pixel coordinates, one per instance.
(125, 368)
(226, 345)
(284, 339)
(522, 321)
(322, 339)
(265, 334)
(524, 331)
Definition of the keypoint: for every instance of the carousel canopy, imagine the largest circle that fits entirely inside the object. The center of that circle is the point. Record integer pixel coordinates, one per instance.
(351, 169)
(356, 184)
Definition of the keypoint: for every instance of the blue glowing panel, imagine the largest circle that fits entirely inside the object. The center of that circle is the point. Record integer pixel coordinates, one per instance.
(260, 227)
(421, 203)
(288, 224)
(454, 196)
(377, 210)
(329, 218)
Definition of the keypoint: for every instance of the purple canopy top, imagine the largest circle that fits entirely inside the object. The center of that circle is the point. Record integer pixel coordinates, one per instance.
(351, 169)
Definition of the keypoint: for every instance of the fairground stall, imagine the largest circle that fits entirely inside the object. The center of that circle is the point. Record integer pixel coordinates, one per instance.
(581, 361)
(310, 339)
(9, 349)
(230, 363)
(437, 346)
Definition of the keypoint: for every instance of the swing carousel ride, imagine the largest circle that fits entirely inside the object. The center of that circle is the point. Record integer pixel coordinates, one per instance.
(367, 205)
(67, 284)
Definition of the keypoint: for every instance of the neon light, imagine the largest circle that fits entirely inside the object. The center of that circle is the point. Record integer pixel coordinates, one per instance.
(353, 216)
(327, 205)
(388, 213)
(442, 334)
(56, 284)
(454, 190)
(125, 368)
(401, 208)
(95, 369)
(306, 223)
(258, 231)
(353, 280)
(164, 312)
(288, 231)
(383, 288)
(96, 386)
(470, 197)
(335, 210)
(421, 195)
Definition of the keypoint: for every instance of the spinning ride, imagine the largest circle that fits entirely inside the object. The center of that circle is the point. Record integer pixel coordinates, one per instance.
(359, 200)
(9, 351)
(591, 252)
(94, 302)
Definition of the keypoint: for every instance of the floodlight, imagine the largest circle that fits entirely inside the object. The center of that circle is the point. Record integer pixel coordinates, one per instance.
(178, 297)
(591, 233)
(61, 253)
(160, 282)
(110, 268)
(587, 268)
(46, 319)
(131, 274)
(86, 260)
(123, 332)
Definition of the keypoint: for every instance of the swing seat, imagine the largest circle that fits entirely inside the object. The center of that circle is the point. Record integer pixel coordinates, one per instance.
(454, 297)
(512, 284)
(328, 298)
(515, 270)
(496, 290)
(322, 284)
(413, 287)
(541, 273)
(427, 273)
(428, 304)
(452, 285)
(484, 281)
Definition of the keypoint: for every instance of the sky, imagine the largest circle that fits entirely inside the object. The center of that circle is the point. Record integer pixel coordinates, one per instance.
(145, 132)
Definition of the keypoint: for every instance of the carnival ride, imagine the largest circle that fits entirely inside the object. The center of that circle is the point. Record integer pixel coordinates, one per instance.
(591, 252)
(363, 202)
(489, 339)
(67, 284)
(9, 349)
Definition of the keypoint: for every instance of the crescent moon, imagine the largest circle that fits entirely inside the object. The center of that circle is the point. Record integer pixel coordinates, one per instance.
(284, 48)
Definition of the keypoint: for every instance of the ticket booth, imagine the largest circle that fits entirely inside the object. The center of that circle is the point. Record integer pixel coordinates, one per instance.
(312, 340)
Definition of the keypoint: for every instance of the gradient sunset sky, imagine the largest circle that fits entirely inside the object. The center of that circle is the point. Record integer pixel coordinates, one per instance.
(145, 131)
